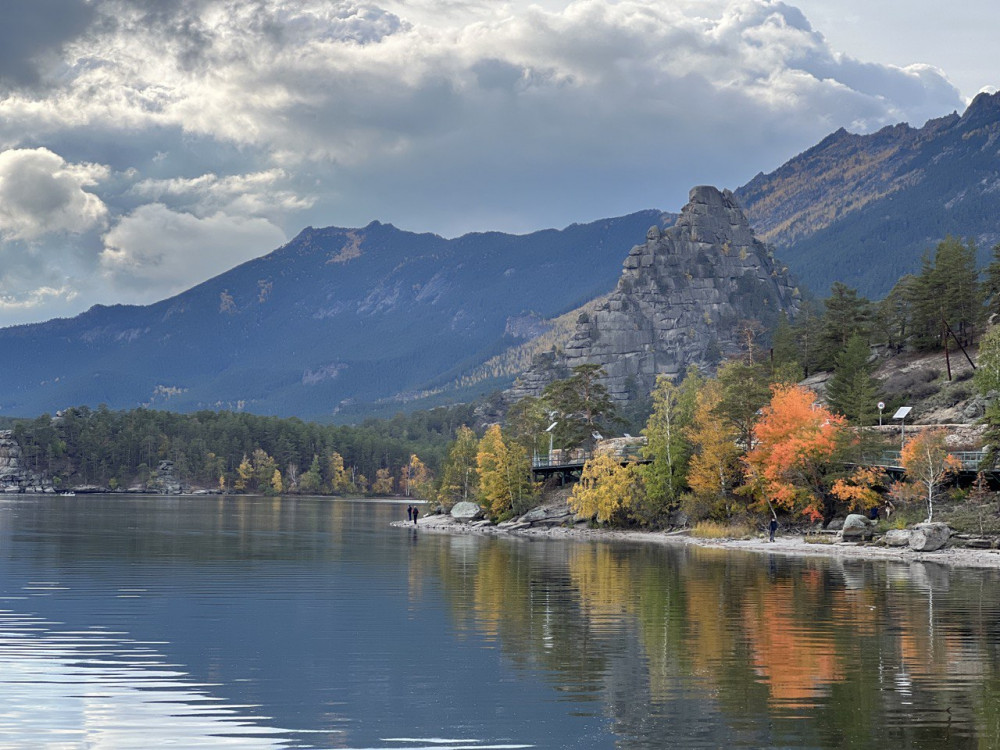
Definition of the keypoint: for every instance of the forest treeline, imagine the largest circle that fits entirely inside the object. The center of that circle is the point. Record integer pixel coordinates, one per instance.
(234, 451)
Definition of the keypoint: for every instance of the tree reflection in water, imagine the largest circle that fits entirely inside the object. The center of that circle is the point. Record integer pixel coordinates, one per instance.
(711, 647)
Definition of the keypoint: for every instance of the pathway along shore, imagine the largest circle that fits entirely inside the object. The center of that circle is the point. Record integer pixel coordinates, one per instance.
(790, 545)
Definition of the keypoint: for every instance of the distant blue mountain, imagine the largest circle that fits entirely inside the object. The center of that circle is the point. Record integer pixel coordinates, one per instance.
(324, 327)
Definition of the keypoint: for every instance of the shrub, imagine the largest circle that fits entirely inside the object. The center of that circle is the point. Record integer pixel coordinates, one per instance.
(717, 530)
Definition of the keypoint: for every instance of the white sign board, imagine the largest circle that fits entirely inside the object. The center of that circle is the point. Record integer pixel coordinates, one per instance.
(902, 412)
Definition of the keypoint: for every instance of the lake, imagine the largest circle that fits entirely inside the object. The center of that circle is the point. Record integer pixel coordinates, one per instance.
(140, 622)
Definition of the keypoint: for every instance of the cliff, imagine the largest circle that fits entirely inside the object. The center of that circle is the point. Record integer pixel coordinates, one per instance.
(680, 301)
(15, 477)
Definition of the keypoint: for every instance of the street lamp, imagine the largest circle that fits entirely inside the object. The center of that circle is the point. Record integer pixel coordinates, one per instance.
(549, 430)
(901, 416)
(881, 406)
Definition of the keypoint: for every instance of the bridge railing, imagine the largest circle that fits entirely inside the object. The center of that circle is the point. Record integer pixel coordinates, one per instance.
(971, 460)
(579, 458)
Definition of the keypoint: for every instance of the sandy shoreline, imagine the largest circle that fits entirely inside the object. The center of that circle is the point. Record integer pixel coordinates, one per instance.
(791, 545)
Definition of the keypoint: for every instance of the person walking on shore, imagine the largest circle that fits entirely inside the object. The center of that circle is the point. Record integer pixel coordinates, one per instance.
(416, 514)
(409, 513)
(772, 527)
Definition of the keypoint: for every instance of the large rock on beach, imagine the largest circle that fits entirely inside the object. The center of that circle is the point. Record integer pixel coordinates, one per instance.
(466, 511)
(927, 537)
(856, 526)
(549, 515)
(897, 537)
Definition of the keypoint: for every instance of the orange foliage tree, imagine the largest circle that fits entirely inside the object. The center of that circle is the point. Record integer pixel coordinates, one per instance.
(859, 489)
(796, 442)
(928, 464)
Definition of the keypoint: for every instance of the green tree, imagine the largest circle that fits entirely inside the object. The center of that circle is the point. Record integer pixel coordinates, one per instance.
(744, 391)
(946, 295)
(459, 477)
(852, 391)
(846, 314)
(667, 445)
(311, 480)
(582, 405)
(894, 315)
(991, 284)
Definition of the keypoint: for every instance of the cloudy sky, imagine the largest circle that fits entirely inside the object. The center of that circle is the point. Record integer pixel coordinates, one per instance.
(146, 145)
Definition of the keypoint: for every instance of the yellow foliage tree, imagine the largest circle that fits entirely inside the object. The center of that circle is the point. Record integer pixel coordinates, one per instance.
(277, 485)
(504, 474)
(714, 469)
(606, 488)
(244, 474)
(858, 489)
(383, 484)
(339, 482)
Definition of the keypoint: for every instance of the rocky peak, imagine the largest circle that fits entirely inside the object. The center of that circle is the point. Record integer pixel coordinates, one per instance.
(680, 300)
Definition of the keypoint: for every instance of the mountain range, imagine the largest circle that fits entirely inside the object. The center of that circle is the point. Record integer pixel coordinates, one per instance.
(343, 323)
(327, 326)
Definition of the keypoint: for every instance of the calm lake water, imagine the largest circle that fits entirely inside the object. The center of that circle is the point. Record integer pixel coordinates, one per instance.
(264, 623)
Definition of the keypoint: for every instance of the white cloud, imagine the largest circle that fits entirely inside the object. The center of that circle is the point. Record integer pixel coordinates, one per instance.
(40, 193)
(158, 251)
(255, 194)
(251, 119)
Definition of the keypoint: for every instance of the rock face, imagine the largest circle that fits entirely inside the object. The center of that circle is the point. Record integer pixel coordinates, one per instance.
(927, 537)
(15, 477)
(165, 481)
(680, 301)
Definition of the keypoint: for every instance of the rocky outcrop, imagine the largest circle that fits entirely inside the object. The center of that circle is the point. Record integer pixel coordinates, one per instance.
(15, 477)
(164, 481)
(680, 301)
(896, 538)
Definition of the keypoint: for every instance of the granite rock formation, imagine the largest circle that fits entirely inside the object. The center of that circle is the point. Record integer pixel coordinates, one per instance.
(15, 477)
(680, 301)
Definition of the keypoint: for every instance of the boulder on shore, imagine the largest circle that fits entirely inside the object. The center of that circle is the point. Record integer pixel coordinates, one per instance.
(855, 526)
(897, 537)
(927, 537)
(466, 511)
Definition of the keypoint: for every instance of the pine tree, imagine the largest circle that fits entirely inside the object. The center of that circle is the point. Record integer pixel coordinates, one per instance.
(846, 314)
(852, 390)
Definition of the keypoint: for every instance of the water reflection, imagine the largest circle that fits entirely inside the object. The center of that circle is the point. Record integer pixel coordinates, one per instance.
(714, 648)
(98, 689)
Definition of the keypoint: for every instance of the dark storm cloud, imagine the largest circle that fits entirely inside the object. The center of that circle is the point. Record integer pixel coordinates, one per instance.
(33, 30)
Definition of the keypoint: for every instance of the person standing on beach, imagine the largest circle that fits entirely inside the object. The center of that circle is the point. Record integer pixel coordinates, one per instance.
(409, 513)
(772, 527)
(416, 514)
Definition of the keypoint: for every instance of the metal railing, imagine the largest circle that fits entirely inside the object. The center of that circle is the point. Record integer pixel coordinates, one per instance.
(971, 460)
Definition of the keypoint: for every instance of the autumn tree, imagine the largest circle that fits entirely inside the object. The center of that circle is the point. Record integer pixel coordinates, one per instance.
(459, 476)
(928, 464)
(383, 484)
(276, 485)
(714, 468)
(417, 479)
(606, 489)
(664, 479)
(244, 475)
(797, 439)
(504, 474)
(860, 490)
(339, 481)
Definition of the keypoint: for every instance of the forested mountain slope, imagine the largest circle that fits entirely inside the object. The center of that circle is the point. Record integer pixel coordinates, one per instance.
(335, 319)
(862, 209)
